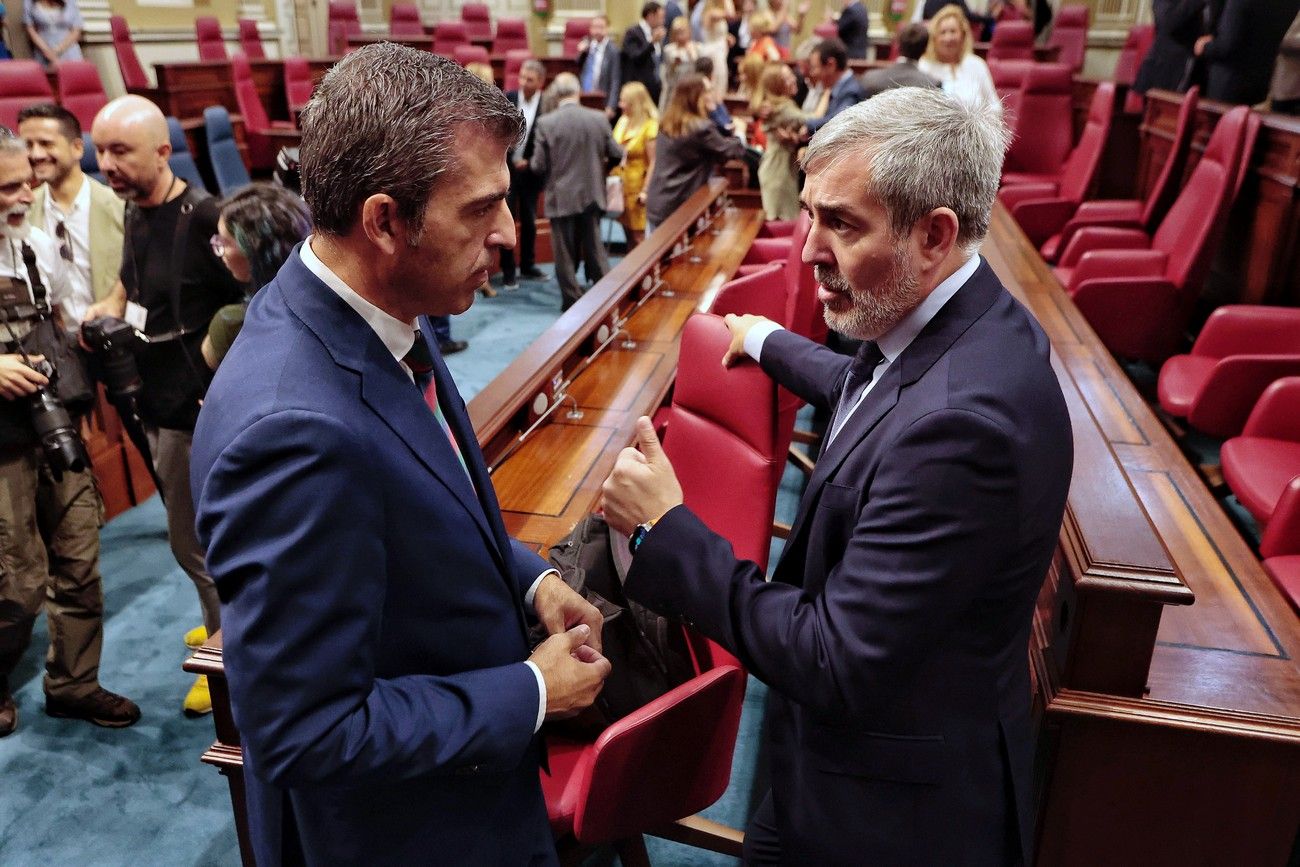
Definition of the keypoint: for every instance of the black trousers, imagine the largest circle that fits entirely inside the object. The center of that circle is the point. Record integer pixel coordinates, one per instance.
(524, 190)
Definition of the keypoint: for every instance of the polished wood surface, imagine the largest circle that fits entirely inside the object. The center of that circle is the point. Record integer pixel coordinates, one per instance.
(1211, 732)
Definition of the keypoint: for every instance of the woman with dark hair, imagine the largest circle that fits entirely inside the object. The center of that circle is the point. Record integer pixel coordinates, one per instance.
(54, 26)
(259, 227)
(688, 147)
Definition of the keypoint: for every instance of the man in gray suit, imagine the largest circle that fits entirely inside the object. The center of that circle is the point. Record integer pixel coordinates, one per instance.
(574, 150)
(912, 41)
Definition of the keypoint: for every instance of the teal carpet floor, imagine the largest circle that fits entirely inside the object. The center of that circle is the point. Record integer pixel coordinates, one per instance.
(75, 794)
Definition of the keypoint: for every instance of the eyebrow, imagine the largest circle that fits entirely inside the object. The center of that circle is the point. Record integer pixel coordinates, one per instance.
(839, 212)
(484, 201)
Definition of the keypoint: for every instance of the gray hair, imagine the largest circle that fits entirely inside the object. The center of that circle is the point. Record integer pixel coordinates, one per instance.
(926, 150)
(11, 143)
(532, 65)
(564, 86)
(384, 120)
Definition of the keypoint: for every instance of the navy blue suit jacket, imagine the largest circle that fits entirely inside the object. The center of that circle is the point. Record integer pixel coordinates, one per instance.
(374, 630)
(894, 631)
(846, 93)
(852, 29)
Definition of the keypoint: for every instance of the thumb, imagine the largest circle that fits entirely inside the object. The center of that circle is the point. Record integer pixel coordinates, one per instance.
(648, 441)
(577, 636)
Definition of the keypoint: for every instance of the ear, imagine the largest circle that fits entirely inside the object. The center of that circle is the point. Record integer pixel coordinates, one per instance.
(384, 228)
(78, 146)
(935, 235)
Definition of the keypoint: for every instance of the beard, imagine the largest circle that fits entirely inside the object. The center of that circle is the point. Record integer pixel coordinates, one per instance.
(15, 233)
(872, 312)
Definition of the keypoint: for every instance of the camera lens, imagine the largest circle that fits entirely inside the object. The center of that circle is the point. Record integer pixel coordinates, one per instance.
(63, 446)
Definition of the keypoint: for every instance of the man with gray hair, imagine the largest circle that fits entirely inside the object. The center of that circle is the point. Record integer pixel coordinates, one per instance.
(374, 610)
(894, 630)
(574, 151)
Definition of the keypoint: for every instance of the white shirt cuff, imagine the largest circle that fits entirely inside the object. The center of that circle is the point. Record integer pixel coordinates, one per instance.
(541, 694)
(756, 336)
(532, 589)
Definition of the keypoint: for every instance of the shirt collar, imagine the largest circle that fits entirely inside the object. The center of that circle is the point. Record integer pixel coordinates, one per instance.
(895, 340)
(80, 202)
(645, 28)
(844, 76)
(398, 337)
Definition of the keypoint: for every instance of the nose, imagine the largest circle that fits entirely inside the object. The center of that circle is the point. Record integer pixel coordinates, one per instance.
(503, 233)
(815, 251)
(25, 194)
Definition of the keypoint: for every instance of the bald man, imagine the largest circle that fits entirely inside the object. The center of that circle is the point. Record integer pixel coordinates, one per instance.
(171, 285)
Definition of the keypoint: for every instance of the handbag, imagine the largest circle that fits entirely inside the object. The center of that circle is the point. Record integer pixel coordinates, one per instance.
(614, 203)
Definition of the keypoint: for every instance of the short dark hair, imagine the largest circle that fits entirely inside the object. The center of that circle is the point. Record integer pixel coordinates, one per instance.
(833, 49)
(384, 120)
(704, 66)
(650, 8)
(69, 126)
(913, 39)
(266, 221)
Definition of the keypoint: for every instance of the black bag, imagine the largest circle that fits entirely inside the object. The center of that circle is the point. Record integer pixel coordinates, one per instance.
(649, 653)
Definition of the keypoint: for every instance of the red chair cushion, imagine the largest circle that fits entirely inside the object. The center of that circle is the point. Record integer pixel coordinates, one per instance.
(1285, 572)
(1181, 380)
(1258, 470)
(561, 786)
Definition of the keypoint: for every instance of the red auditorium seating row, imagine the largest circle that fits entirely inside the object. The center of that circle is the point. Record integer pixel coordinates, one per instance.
(24, 83)
(473, 29)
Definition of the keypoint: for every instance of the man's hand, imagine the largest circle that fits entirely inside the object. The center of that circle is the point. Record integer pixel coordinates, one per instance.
(559, 608)
(643, 486)
(17, 379)
(658, 33)
(739, 327)
(572, 671)
(521, 165)
(584, 44)
(107, 307)
(1199, 48)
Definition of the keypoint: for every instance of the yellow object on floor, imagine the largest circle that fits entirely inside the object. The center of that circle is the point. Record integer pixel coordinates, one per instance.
(196, 636)
(198, 700)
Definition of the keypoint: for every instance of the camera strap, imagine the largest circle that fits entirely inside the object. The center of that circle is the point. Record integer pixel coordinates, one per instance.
(34, 280)
(189, 198)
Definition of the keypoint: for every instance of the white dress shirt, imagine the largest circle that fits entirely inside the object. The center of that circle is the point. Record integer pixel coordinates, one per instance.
(892, 342)
(529, 109)
(398, 337)
(77, 223)
(596, 52)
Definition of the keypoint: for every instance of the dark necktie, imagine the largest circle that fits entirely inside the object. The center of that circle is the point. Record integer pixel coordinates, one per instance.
(420, 361)
(861, 370)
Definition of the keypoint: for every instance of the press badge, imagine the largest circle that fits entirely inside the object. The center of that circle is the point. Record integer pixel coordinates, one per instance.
(136, 316)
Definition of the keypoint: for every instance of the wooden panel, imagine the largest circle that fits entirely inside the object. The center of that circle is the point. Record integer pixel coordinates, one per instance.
(568, 451)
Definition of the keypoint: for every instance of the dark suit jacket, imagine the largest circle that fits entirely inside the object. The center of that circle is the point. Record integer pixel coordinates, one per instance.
(904, 73)
(524, 178)
(846, 92)
(895, 628)
(574, 152)
(639, 60)
(853, 30)
(371, 600)
(1239, 61)
(1177, 24)
(608, 79)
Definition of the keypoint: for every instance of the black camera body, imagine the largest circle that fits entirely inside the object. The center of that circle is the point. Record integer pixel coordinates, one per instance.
(113, 343)
(55, 428)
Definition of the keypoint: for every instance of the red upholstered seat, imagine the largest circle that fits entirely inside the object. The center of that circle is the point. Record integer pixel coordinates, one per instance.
(250, 40)
(1280, 545)
(1285, 572)
(776, 229)
(343, 22)
(258, 129)
(447, 36)
(404, 20)
(575, 30)
(298, 83)
(1134, 51)
(1241, 351)
(1260, 464)
(477, 20)
(1008, 79)
(1044, 126)
(133, 77)
(212, 45)
(1012, 40)
(826, 30)
(22, 83)
(514, 61)
(467, 54)
(1138, 291)
(1043, 209)
(1070, 34)
(80, 90)
(1145, 213)
(512, 35)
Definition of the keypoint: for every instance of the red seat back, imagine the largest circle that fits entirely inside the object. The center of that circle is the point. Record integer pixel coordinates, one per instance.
(22, 83)
(447, 35)
(1070, 33)
(250, 40)
(512, 35)
(128, 61)
(514, 60)
(250, 104)
(1165, 189)
(1085, 159)
(477, 20)
(298, 84)
(1136, 45)
(575, 30)
(467, 54)
(1008, 80)
(1043, 138)
(404, 20)
(1012, 40)
(80, 90)
(212, 45)
(343, 22)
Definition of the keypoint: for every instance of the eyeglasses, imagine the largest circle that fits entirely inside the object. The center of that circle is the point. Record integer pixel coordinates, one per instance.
(65, 245)
(218, 246)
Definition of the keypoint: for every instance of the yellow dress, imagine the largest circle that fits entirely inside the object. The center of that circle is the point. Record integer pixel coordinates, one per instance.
(634, 143)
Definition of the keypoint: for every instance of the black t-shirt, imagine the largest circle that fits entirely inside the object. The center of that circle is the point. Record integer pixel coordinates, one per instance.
(174, 373)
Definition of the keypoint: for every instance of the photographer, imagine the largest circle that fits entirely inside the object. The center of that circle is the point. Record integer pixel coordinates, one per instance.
(45, 499)
(172, 284)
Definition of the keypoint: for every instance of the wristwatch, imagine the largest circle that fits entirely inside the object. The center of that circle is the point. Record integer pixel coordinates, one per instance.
(638, 535)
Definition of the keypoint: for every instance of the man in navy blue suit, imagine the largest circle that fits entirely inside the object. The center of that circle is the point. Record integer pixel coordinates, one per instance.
(829, 64)
(894, 630)
(374, 610)
(852, 28)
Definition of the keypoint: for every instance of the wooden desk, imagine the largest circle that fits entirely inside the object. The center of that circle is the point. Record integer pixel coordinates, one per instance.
(1169, 732)
(185, 88)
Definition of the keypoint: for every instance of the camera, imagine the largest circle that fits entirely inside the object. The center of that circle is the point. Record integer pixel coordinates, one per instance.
(113, 342)
(54, 427)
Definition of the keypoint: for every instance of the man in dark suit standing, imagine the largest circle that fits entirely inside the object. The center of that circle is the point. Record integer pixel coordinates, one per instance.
(912, 40)
(852, 27)
(829, 64)
(574, 151)
(374, 609)
(642, 46)
(895, 627)
(1240, 52)
(525, 186)
(598, 64)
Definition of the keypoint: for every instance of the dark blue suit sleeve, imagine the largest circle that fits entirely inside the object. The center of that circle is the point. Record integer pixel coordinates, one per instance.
(294, 537)
(528, 565)
(810, 370)
(916, 555)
